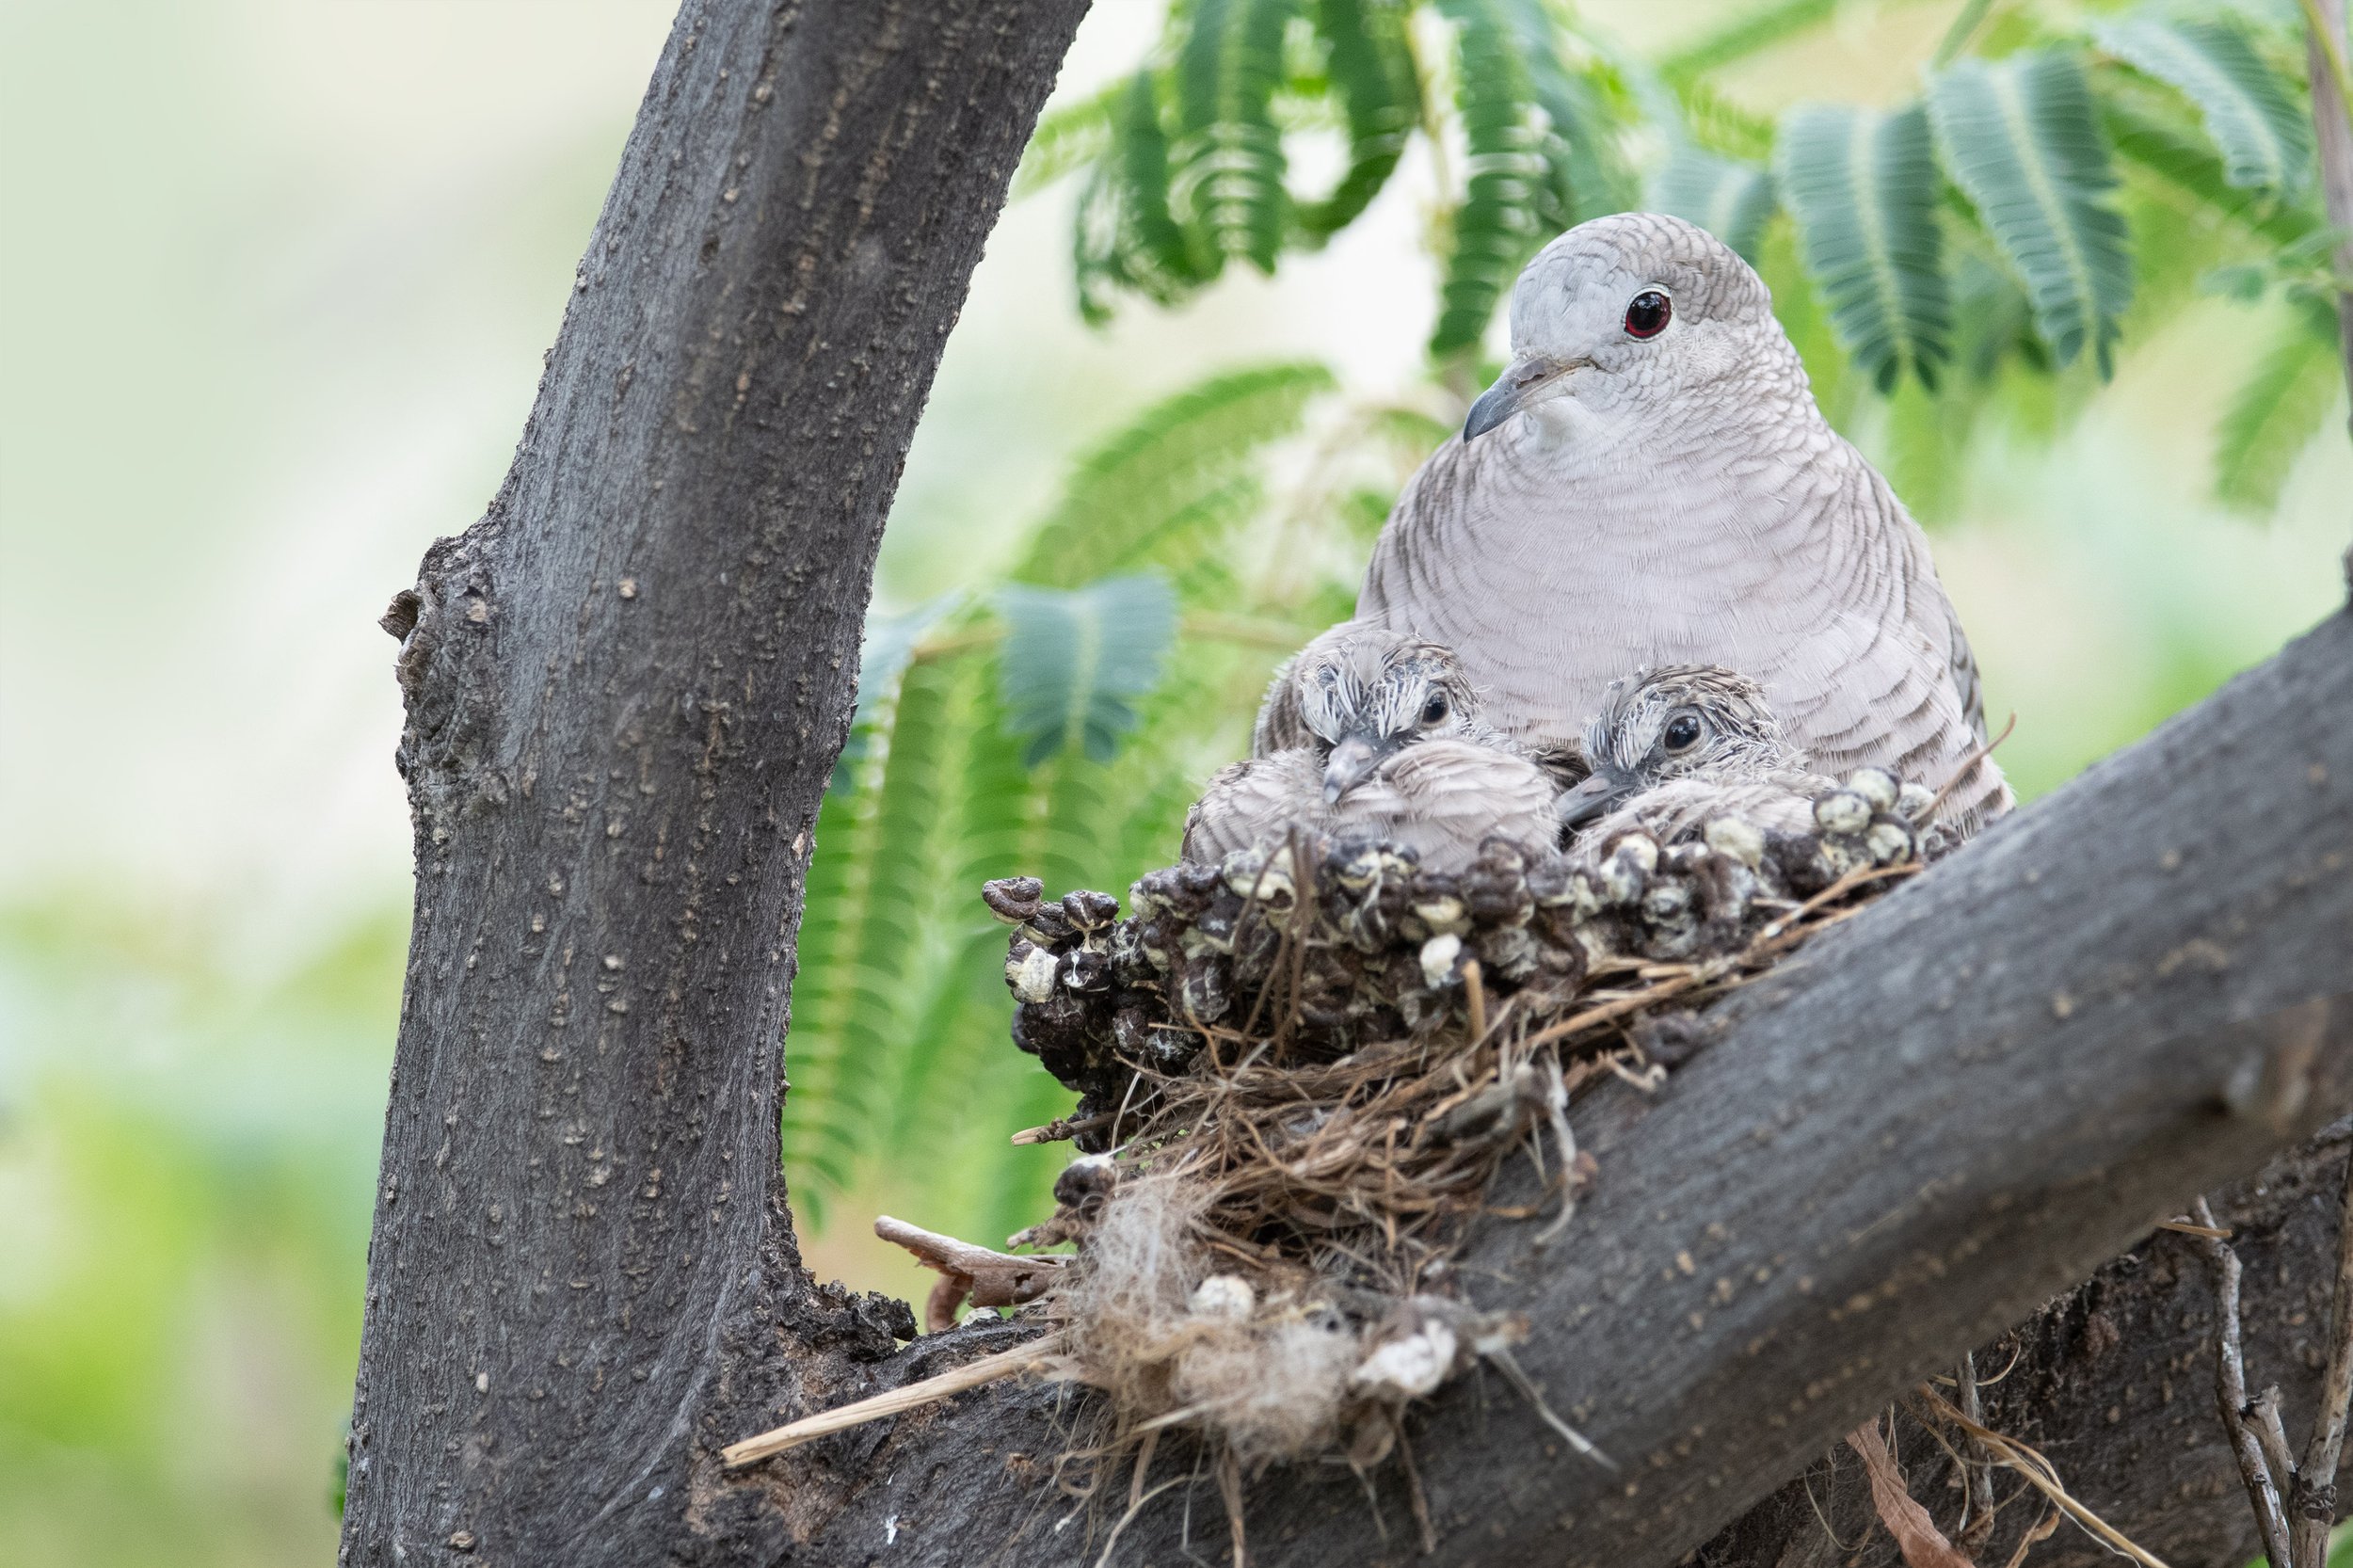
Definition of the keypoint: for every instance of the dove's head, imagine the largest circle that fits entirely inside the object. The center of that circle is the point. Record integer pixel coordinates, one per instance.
(1365, 691)
(1626, 316)
(1682, 721)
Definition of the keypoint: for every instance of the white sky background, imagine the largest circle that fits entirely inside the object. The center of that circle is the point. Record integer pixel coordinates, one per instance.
(281, 280)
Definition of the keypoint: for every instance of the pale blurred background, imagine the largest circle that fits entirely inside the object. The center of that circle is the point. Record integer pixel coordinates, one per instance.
(278, 280)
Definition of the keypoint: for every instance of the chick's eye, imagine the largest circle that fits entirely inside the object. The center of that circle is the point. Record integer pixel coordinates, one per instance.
(1683, 733)
(1434, 711)
(1648, 316)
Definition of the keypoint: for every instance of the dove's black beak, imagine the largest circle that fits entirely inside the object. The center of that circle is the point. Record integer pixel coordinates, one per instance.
(1351, 761)
(1592, 798)
(1525, 382)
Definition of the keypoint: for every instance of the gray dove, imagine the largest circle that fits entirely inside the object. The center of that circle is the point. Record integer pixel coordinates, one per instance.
(1442, 799)
(1358, 692)
(1674, 746)
(1372, 734)
(1650, 483)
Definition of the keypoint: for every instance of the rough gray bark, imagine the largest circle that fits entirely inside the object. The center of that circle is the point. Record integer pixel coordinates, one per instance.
(2115, 1383)
(627, 685)
(1901, 1144)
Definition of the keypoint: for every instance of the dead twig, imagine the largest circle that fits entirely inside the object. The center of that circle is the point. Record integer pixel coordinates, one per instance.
(988, 1278)
(2314, 1508)
(2040, 1473)
(2229, 1392)
(973, 1374)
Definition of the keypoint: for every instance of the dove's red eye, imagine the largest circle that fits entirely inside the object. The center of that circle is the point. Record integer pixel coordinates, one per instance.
(1648, 316)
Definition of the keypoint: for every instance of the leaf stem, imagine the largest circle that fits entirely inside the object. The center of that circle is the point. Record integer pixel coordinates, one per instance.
(1956, 36)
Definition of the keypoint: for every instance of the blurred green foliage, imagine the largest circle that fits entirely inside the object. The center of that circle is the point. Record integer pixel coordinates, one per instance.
(191, 1090)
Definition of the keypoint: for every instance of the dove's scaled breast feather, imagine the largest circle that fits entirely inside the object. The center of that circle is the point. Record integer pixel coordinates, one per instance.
(1651, 483)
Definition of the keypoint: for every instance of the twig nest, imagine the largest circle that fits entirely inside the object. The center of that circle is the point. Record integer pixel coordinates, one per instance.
(1013, 899)
(1744, 841)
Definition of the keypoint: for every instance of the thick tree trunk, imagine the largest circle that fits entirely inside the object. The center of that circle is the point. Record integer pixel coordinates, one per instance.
(627, 685)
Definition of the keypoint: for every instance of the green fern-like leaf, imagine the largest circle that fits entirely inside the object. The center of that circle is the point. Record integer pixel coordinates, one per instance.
(1371, 69)
(1228, 155)
(2248, 111)
(2149, 136)
(2276, 410)
(1162, 491)
(1863, 189)
(1069, 137)
(1074, 662)
(1730, 200)
(889, 639)
(1509, 206)
(2023, 138)
(1127, 236)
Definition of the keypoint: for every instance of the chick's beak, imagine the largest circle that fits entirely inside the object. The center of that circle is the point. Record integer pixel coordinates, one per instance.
(1590, 799)
(1352, 760)
(1531, 380)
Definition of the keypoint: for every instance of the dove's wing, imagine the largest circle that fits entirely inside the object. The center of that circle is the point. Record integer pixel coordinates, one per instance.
(1444, 798)
(1281, 725)
(1251, 801)
(1680, 808)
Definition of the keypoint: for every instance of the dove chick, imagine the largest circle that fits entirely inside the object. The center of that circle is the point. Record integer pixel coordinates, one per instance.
(1671, 746)
(1370, 733)
(1357, 694)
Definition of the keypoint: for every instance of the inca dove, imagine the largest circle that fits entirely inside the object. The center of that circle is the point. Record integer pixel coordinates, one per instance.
(1651, 483)
(1440, 798)
(1370, 732)
(1358, 692)
(1679, 743)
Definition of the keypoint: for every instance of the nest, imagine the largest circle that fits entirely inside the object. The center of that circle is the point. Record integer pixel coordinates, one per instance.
(1300, 1069)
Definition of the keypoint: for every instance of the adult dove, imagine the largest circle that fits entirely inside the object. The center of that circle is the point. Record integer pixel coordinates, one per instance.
(1651, 483)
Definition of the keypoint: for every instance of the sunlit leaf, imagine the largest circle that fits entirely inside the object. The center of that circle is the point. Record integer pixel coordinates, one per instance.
(1371, 70)
(2276, 410)
(1160, 490)
(1228, 155)
(1126, 235)
(1748, 30)
(1068, 138)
